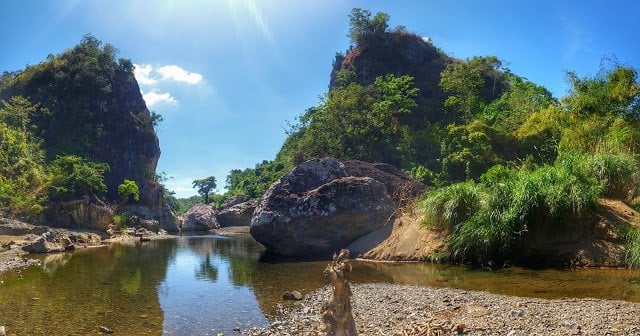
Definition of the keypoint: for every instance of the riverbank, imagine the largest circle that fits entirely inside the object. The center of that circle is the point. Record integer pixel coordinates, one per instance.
(388, 309)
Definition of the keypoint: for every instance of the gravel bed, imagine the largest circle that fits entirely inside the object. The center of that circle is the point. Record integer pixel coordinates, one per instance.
(388, 309)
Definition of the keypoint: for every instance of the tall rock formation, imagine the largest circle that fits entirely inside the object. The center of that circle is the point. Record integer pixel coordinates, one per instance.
(95, 110)
(399, 53)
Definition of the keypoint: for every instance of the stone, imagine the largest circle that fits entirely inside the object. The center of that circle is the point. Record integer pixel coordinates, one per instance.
(295, 295)
(87, 213)
(237, 215)
(401, 188)
(234, 200)
(201, 217)
(11, 227)
(62, 240)
(3, 332)
(316, 209)
(105, 330)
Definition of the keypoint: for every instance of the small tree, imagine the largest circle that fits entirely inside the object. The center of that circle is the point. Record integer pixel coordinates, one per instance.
(129, 190)
(205, 186)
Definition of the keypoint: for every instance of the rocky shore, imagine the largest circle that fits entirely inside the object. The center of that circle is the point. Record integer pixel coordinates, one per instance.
(387, 309)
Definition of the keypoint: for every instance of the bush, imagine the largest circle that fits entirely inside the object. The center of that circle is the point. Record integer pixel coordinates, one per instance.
(128, 190)
(633, 247)
(73, 176)
(489, 218)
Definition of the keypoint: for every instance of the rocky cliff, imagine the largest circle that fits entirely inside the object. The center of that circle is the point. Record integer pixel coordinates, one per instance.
(95, 110)
(398, 53)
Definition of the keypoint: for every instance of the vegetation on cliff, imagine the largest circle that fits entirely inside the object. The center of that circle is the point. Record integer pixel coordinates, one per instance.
(74, 125)
(503, 154)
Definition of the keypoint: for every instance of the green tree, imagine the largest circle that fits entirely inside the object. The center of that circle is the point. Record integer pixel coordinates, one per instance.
(472, 85)
(73, 177)
(205, 186)
(362, 25)
(23, 180)
(128, 190)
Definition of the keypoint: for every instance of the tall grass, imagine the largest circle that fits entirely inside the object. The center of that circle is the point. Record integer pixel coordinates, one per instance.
(490, 218)
(633, 247)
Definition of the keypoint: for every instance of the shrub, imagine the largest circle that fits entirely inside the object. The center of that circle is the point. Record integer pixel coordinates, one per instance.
(73, 176)
(633, 247)
(128, 190)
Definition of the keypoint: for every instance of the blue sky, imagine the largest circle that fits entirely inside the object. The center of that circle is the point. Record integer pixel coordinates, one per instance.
(227, 75)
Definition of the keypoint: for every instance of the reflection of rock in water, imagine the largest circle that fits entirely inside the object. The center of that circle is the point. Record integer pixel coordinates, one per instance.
(114, 287)
(207, 271)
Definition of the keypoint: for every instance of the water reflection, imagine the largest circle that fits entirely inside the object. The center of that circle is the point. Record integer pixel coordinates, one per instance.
(205, 285)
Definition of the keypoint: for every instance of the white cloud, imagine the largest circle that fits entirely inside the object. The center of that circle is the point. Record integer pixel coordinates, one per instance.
(179, 74)
(153, 98)
(143, 74)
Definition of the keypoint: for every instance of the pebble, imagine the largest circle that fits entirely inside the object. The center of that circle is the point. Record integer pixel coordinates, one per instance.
(105, 330)
(391, 309)
(2, 331)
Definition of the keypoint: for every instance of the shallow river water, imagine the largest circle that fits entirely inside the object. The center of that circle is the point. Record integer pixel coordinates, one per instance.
(205, 285)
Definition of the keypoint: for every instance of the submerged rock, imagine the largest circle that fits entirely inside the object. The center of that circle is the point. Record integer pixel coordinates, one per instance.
(238, 214)
(316, 209)
(201, 217)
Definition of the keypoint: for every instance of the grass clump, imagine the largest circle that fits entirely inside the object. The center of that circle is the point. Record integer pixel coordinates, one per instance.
(633, 247)
(490, 218)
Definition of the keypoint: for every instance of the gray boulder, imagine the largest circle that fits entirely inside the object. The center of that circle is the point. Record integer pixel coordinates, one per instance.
(88, 213)
(316, 209)
(11, 227)
(238, 214)
(200, 217)
(62, 240)
(234, 200)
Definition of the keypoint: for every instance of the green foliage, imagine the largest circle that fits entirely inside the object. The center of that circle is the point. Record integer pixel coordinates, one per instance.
(23, 180)
(362, 25)
(467, 151)
(253, 182)
(122, 221)
(74, 177)
(184, 204)
(472, 85)
(205, 186)
(632, 238)
(489, 218)
(357, 122)
(128, 191)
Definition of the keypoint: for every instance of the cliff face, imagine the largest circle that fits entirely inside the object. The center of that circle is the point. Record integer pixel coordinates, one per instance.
(96, 110)
(399, 54)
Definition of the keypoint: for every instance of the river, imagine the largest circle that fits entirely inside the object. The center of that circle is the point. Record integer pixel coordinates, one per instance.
(206, 285)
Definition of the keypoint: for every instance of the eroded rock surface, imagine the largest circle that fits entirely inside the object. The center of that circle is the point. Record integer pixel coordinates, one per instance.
(316, 209)
(200, 217)
(237, 214)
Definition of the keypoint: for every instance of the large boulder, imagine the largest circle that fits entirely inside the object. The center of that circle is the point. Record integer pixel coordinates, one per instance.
(237, 215)
(88, 213)
(400, 187)
(11, 227)
(200, 217)
(234, 200)
(62, 240)
(316, 209)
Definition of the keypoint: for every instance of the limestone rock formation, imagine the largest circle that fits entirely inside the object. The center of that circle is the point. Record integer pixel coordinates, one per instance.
(316, 209)
(62, 240)
(88, 213)
(10, 227)
(201, 217)
(238, 214)
(400, 54)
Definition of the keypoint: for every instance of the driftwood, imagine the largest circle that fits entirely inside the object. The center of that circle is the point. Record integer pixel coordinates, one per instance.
(336, 312)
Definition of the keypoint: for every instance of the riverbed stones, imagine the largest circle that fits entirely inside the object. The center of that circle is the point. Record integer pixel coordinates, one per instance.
(201, 217)
(237, 214)
(61, 240)
(317, 208)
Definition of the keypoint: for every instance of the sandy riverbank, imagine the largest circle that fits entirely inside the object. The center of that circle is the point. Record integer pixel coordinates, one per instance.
(387, 309)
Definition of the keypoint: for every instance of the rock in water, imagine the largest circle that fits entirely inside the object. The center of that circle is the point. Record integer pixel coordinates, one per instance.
(295, 295)
(238, 214)
(317, 209)
(200, 217)
(105, 330)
